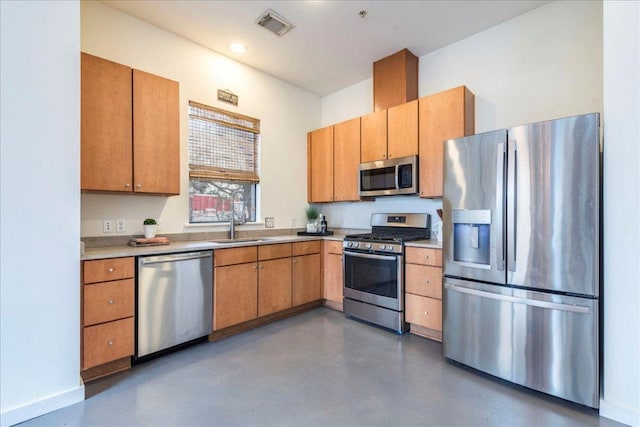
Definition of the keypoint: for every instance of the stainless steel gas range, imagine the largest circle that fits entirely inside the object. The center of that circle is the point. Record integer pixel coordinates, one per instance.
(374, 268)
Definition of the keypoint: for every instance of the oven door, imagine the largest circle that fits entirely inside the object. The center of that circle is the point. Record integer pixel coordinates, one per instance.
(374, 279)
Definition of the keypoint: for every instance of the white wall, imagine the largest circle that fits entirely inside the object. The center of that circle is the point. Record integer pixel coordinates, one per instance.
(40, 208)
(621, 198)
(286, 112)
(541, 65)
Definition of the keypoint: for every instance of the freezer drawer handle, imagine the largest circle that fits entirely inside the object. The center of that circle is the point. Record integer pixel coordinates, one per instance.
(174, 258)
(542, 304)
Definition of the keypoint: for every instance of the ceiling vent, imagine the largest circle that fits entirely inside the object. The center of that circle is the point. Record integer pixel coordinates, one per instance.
(274, 23)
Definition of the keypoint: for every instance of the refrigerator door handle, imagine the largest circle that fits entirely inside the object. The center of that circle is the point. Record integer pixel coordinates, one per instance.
(512, 204)
(531, 302)
(500, 205)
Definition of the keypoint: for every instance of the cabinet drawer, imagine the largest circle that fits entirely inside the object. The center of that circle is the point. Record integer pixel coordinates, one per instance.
(305, 248)
(280, 250)
(423, 311)
(102, 270)
(235, 256)
(424, 256)
(423, 280)
(108, 301)
(333, 247)
(107, 342)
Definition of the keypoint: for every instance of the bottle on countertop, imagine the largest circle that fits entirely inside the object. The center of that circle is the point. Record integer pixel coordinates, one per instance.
(323, 225)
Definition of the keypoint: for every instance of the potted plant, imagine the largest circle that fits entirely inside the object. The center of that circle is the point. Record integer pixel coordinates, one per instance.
(150, 226)
(312, 219)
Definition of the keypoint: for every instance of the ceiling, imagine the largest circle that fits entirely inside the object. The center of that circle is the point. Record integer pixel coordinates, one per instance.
(331, 45)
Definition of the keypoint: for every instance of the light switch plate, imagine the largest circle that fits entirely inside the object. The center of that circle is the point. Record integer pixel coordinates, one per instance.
(108, 226)
(269, 222)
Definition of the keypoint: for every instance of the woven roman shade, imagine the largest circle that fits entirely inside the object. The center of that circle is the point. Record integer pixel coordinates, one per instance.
(223, 146)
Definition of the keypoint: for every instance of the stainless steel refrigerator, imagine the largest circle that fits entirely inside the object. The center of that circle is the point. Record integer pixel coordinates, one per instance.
(521, 255)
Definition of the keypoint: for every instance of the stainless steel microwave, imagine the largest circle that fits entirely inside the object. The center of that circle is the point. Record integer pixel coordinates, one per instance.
(389, 177)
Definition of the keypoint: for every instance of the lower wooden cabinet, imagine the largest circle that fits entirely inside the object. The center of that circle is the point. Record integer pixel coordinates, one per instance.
(274, 286)
(307, 284)
(235, 294)
(332, 274)
(423, 291)
(108, 307)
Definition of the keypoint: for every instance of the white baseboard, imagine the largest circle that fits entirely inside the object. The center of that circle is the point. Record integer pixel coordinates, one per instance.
(622, 414)
(35, 409)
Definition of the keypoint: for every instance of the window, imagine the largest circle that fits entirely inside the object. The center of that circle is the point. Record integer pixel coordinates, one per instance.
(223, 165)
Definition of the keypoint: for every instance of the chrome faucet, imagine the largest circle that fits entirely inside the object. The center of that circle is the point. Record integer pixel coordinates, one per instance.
(232, 220)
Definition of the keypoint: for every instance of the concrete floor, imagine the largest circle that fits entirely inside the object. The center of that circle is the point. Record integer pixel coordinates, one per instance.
(315, 369)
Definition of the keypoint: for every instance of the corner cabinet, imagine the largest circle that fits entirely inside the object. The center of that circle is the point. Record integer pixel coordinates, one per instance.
(130, 130)
(333, 157)
(445, 115)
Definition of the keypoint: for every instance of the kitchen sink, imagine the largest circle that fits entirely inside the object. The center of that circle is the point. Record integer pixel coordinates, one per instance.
(242, 240)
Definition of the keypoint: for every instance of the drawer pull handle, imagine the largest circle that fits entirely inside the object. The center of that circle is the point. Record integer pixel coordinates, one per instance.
(110, 302)
(428, 281)
(138, 185)
(111, 269)
(110, 342)
(127, 185)
(426, 313)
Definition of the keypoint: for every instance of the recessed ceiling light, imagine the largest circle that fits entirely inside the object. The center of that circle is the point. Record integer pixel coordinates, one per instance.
(238, 47)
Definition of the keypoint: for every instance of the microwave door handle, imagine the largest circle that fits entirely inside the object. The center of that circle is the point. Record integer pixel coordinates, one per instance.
(396, 177)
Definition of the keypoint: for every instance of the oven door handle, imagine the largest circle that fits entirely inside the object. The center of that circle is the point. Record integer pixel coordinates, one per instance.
(371, 256)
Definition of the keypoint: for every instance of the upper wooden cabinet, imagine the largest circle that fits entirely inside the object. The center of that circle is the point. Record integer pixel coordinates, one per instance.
(346, 159)
(333, 159)
(373, 137)
(129, 130)
(445, 115)
(395, 80)
(402, 128)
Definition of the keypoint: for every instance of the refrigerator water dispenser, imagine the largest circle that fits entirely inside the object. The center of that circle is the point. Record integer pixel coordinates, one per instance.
(472, 237)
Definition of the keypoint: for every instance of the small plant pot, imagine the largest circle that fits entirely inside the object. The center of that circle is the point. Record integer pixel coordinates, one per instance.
(149, 231)
(312, 227)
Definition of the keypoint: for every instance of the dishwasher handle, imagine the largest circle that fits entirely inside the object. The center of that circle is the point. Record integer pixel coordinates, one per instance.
(175, 258)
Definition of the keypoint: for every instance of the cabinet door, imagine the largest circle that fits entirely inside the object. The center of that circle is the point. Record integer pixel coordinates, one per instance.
(103, 302)
(332, 290)
(423, 280)
(235, 294)
(105, 125)
(346, 150)
(274, 286)
(320, 165)
(445, 115)
(373, 136)
(107, 342)
(306, 279)
(402, 123)
(156, 134)
(423, 311)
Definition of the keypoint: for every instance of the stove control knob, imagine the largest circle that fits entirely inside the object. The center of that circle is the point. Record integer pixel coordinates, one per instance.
(349, 244)
(356, 244)
(383, 247)
(368, 245)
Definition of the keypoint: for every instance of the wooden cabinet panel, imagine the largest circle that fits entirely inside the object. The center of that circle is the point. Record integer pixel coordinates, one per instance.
(274, 286)
(320, 165)
(402, 126)
(424, 256)
(103, 302)
(105, 125)
(232, 256)
(102, 270)
(106, 342)
(332, 274)
(423, 280)
(445, 115)
(235, 294)
(156, 134)
(306, 279)
(423, 311)
(333, 246)
(395, 80)
(280, 250)
(373, 136)
(346, 158)
(308, 247)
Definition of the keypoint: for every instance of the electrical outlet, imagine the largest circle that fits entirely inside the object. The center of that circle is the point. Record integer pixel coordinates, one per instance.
(108, 226)
(121, 227)
(292, 221)
(269, 222)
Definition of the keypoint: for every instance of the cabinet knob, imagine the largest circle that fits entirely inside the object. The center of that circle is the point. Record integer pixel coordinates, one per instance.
(427, 281)
(110, 269)
(261, 267)
(295, 261)
(127, 185)
(110, 302)
(110, 342)
(426, 313)
(138, 185)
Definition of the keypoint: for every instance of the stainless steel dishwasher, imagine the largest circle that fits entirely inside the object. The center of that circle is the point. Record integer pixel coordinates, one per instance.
(174, 300)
